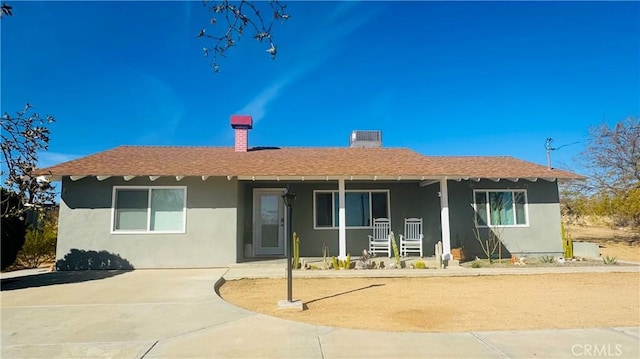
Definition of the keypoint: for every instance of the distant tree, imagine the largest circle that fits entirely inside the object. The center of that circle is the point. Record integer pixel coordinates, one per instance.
(232, 18)
(23, 137)
(612, 157)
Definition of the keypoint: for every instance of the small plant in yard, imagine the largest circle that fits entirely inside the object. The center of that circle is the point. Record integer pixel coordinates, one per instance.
(341, 263)
(476, 264)
(325, 254)
(547, 259)
(296, 251)
(396, 252)
(610, 260)
(420, 265)
(39, 244)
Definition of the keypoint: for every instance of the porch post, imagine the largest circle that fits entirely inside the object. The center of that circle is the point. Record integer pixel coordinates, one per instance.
(342, 220)
(444, 219)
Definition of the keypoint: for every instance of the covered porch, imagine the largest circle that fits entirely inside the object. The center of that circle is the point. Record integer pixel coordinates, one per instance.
(336, 213)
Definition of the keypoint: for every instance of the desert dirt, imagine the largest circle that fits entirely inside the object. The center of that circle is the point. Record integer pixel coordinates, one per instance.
(622, 244)
(450, 304)
(458, 304)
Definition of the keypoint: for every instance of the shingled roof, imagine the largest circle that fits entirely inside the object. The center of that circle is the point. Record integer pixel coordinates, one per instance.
(398, 163)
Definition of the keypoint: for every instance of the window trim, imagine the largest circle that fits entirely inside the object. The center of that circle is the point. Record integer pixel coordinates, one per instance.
(336, 225)
(113, 230)
(488, 211)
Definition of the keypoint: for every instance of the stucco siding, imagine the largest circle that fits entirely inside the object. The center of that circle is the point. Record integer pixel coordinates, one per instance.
(540, 237)
(407, 199)
(210, 238)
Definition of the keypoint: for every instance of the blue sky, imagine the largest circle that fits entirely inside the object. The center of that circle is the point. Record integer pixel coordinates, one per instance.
(442, 78)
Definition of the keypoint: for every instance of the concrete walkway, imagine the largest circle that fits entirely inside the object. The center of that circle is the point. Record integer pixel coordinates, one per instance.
(176, 314)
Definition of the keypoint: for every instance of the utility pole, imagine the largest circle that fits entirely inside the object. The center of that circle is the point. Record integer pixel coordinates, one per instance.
(547, 145)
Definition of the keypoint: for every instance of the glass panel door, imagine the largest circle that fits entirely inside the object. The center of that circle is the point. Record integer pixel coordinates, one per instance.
(268, 222)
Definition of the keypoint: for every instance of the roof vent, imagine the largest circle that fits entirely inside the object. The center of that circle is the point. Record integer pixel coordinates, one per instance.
(365, 139)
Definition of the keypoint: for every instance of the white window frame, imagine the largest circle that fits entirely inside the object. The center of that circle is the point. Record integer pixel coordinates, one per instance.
(487, 208)
(148, 229)
(336, 225)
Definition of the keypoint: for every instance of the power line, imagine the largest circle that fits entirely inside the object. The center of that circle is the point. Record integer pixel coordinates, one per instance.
(549, 148)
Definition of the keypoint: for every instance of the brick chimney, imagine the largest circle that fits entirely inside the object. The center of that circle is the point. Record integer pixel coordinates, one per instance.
(241, 124)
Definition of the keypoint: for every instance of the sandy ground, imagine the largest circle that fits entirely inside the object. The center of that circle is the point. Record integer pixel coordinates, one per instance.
(451, 304)
(623, 244)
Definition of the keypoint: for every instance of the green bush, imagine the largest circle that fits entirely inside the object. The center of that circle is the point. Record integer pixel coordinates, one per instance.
(476, 264)
(39, 244)
(610, 260)
(420, 265)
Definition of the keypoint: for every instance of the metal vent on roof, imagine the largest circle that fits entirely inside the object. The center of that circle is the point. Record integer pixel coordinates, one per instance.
(366, 139)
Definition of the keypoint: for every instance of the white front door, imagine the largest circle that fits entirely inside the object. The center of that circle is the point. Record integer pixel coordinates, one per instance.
(268, 222)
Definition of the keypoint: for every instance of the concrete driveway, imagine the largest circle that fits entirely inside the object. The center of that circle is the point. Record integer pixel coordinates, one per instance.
(176, 314)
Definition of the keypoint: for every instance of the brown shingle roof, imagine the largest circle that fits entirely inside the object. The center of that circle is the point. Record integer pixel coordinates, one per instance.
(224, 161)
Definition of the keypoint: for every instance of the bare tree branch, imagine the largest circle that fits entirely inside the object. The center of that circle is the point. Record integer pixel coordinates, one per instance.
(23, 137)
(5, 10)
(230, 20)
(613, 156)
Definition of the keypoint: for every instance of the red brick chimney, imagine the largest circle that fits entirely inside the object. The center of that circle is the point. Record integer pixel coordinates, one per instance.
(242, 124)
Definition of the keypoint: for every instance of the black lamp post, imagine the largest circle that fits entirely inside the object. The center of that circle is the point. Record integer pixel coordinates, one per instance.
(289, 199)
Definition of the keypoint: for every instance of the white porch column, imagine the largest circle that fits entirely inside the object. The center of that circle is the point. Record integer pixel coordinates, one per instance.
(444, 219)
(342, 221)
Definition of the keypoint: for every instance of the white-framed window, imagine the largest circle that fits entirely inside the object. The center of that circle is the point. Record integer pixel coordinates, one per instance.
(507, 208)
(361, 206)
(149, 209)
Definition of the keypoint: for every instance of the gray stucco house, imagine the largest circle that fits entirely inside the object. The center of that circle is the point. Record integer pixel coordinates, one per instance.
(183, 207)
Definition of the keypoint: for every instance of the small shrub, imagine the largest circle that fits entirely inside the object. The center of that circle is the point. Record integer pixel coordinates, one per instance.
(334, 263)
(547, 259)
(476, 264)
(39, 244)
(420, 265)
(610, 260)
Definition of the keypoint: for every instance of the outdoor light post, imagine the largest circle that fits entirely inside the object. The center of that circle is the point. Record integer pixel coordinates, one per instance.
(289, 198)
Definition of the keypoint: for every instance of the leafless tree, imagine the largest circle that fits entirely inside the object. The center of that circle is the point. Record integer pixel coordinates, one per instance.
(23, 137)
(231, 19)
(613, 156)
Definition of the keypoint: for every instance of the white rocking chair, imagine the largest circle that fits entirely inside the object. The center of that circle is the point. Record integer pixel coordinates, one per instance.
(380, 241)
(411, 241)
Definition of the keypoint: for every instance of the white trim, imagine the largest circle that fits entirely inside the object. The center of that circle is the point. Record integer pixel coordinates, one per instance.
(444, 219)
(204, 178)
(333, 214)
(128, 178)
(488, 213)
(148, 230)
(428, 183)
(179, 178)
(76, 178)
(342, 220)
(153, 178)
(102, 178)
(282, 232)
